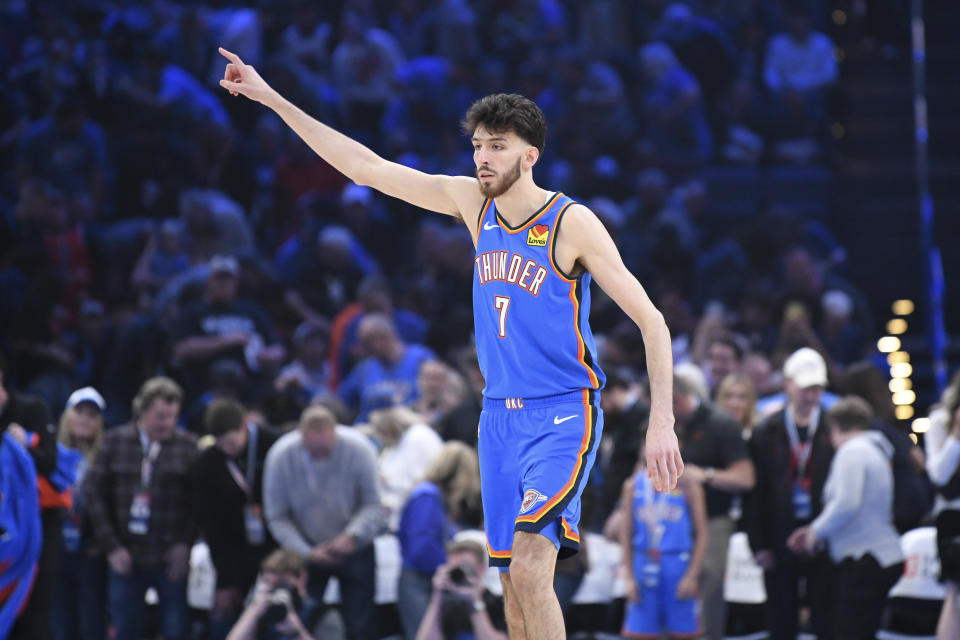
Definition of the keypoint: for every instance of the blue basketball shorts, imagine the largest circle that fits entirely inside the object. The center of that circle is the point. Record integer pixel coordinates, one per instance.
(658, 609)
(535, 457)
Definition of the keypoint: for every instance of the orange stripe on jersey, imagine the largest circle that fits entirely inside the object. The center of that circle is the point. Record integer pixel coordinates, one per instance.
(536, 217)
(581, 345)
(567, 488)
(497, 554)
(483, 214)
(568, 530)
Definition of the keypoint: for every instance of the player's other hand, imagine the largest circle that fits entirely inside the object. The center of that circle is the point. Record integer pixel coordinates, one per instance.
(243, 79)
(664, 465)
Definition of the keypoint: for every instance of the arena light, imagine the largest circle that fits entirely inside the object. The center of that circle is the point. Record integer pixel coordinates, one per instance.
(921, 425)
(904, 412)
(901, 370)
(897, 357)
(903, 307)
(907, 396)
(888, 344)
(913, 438)
(897, 326)
(900, 384)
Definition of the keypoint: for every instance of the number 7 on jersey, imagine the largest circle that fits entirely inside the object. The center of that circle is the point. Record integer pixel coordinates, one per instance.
(502, 303)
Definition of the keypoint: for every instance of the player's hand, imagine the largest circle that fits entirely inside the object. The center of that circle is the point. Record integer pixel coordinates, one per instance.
(765, 559)
(633, 593)
(243, 79)
(664, 465)
(120, 561)
(687, 587)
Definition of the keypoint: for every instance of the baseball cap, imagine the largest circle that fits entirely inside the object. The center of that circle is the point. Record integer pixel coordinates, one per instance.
(224, 264)
(86, 394)
(806, 368)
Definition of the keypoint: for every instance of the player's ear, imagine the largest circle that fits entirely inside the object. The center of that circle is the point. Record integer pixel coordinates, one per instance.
(530, 156)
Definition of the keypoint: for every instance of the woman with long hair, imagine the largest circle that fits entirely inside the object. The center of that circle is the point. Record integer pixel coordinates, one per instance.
(737, 397)
(80, 597)
(446, 501)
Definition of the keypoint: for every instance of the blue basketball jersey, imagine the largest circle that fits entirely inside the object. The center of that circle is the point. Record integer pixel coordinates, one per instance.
(530, 318)
(661, 522)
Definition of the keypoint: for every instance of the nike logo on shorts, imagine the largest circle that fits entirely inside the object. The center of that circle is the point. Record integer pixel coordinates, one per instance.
(487, 226)
(558, 419)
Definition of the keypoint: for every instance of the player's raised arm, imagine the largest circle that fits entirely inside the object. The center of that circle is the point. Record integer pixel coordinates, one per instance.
(444, 194)
(586, 241)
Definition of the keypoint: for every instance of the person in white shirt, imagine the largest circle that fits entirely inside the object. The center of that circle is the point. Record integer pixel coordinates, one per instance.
(857, 521)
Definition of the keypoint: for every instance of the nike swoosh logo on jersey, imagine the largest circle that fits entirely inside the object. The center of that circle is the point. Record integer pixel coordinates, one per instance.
(558, 419)
(487, 226)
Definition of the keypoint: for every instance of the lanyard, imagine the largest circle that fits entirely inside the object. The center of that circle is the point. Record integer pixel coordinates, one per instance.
(801, 452)
(246, 483)
(146, 466)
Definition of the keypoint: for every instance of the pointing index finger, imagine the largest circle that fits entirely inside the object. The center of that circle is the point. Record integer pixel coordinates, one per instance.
(229, 55)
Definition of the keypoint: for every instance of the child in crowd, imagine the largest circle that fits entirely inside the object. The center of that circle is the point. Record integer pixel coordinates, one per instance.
(664, 538)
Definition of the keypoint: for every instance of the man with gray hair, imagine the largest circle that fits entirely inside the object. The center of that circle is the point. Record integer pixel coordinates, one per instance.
(321, 500)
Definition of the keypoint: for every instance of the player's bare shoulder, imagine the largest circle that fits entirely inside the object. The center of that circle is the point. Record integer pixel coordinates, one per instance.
(576, 230)
(465, 192)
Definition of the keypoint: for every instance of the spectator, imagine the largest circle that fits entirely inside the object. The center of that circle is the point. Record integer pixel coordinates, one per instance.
(680, 134)
(373, 296)
(447, 403)
(321, 500)
(736, 396)
(446, 501)
(857, 521)
(409, 447)
(80, 598)
(69, 150)
(279, 607)
(792, 456)
(27, 420)
(308, 375)
(799, 60)
(138, 497)
(228, 483)
(715, 456)
(223, 326)
(664, 537)
(390, 366)
(458, 606)
(724, 357)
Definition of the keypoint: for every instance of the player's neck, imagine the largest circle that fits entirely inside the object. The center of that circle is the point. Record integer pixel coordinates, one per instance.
(521, 201)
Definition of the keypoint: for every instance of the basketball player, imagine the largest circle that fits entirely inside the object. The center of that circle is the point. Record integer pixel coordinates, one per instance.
(536, 253)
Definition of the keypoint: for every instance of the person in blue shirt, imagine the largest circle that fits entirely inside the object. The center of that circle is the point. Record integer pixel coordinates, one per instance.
(391, 367)
(664, 540)
(446, 501)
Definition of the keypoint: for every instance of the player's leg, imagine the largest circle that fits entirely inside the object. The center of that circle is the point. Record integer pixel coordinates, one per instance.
(531, 574)
(516, 628)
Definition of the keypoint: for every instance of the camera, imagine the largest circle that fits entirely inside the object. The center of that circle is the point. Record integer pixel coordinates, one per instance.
(462, 575)
(283, 599)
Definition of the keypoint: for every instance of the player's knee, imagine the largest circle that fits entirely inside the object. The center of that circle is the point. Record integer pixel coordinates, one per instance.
(532, 562)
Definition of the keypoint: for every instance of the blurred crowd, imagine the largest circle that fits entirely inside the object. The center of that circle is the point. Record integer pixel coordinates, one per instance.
(177, 266)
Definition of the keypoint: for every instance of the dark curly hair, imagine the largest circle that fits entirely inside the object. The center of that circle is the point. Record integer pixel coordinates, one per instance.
(503, 112)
